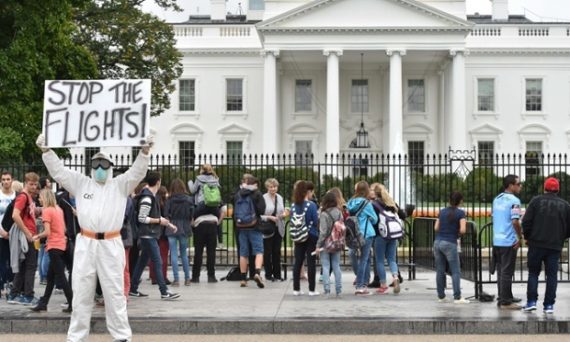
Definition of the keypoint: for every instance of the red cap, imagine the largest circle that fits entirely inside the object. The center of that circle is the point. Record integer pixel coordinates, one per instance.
(551, 184)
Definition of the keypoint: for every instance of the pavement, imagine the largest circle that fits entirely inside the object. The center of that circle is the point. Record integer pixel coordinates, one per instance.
(224, 308)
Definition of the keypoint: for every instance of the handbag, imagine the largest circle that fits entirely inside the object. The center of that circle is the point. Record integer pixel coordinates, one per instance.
(268, 228)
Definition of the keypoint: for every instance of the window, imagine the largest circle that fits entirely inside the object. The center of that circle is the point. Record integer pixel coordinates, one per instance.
(303, 95)
(486, 150)
(486, 95)
(234, 151)
(89, 153)
(359, 96)
(416, 152)
(303, 151)
(186, 97)
(234, 94)
(186, 152)
(533, 95)
(135, 152)
(360, 167)
(533, 158)
(256, 5)
(416, 96)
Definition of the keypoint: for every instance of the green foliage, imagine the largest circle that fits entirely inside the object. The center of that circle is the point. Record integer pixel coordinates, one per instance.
(436, 188)
(128, 43)
(482, 185)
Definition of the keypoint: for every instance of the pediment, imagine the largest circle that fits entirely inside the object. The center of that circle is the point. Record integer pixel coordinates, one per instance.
(186, 128)
(234, 129)
(534, 129)
(364, 14)
(302, 128)
(486, 129)
(418, 129)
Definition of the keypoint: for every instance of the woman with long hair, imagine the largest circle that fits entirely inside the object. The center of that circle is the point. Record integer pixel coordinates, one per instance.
(302, 205)
(178, 209)
(54, 231)
(386, 248)
(360, 206)
(208, 177)
(450, 224)
(161, 196)
(330, 213)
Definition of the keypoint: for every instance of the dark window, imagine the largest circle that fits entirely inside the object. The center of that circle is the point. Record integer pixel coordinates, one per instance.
(303, 152)
(534, 95)
(533, 158)
(187, 95)
(359, 96)
(303, 95)
(234, 94)
(234, 151)
(486, 150)
(416, 152)
(186, 152)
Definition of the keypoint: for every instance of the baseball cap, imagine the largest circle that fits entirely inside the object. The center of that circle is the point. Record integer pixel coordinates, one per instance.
(551, 184)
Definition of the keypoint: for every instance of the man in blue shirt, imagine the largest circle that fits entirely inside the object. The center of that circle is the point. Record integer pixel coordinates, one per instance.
(506, 239)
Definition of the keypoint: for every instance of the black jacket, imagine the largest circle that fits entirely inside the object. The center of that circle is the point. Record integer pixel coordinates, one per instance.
(546, 222)
(153, 210)
(258, 202)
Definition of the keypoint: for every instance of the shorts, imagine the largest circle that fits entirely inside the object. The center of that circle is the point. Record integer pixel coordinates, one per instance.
(250, 242)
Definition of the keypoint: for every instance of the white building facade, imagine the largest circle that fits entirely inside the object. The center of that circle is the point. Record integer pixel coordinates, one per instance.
(298, 76)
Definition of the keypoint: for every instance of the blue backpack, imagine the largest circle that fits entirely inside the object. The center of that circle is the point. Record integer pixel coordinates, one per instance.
(244, 212)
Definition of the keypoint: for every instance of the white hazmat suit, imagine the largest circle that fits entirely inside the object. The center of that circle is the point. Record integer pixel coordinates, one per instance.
(100, 208)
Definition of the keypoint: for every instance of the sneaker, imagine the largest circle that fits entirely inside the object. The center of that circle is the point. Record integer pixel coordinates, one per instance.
(259, 281)
(195, 280)
(67, 309)
(175, 283)
(382, 290)
(169, 296)
(461, 301)
(516, 300)
(28, 301)
(361, 292)
(442, 300)
(58, 291)
(314, 293)
(212, 280)
(511, 306)
(187, 282)
(396, 285)
(530, 306)
(298, 293)
(64, 305)
(321, 279)
(548, 309)
(43, 282)
(243, 283)
(13, 299)
(137, 294)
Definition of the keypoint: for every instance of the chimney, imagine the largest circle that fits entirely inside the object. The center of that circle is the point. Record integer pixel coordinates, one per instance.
(500, 9)
(218, 9)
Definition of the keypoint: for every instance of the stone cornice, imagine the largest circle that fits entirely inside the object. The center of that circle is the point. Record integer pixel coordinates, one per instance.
(519, 51)
(424, 29)
(205, 51)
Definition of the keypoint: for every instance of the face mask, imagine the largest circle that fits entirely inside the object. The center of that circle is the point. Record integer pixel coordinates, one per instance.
(100, 175)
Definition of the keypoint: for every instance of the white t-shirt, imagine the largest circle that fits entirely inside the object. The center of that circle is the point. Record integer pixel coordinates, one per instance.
(4, 202)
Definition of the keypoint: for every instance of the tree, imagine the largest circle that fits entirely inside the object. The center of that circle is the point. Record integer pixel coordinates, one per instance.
(127, 43)
(35, 45)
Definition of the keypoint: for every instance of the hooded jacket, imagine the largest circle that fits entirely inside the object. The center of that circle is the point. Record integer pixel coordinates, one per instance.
(178, 209)
(546, 222)
(327, 219)
(258, 201)
(196, 188)
(367, 217)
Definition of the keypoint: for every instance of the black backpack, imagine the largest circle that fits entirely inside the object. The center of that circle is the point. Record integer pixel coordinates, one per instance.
(7, 220)
(134, 213)
(234, 274)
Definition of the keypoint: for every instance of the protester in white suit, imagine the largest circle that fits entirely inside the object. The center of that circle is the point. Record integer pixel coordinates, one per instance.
(99, 251)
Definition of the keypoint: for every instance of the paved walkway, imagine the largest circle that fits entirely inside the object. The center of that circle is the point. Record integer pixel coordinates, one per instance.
(225, 308)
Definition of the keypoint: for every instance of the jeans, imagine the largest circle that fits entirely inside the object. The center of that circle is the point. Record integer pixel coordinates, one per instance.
(355, 261)
(56, 273)
(149, 249)
(303, 250)
(43, 261)
(328, 259)
(24, 279)
(446, 252)
(163, 250)
(272, 256)
(250, 242)
(505, 258)
(363, 273)
(6, 274)
(550, 258)
(182, 241)
(386, 249)
(205, 235)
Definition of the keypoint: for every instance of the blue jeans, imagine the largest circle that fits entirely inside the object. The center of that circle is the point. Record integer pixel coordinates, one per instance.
(149, 249)
(43, 262)
(363, 274)
(182, 246)
(386, 249)
(355, 261)
(247, 237)
(445, 251)
(550, 258)
(326, 260)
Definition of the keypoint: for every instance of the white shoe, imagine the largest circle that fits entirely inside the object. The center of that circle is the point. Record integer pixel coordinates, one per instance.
(298, 293)
(461, 301)
(314, 293)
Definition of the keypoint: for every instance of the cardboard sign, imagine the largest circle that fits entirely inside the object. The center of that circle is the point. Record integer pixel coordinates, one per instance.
(96, 113)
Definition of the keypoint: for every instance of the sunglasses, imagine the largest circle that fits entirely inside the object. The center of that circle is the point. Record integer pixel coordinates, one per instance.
(102, 163)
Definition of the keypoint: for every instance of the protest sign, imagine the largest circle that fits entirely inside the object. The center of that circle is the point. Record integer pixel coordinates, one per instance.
(95, 113)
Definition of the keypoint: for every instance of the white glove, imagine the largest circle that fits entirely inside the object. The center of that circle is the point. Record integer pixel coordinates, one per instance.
(149, 141)
(41, 142)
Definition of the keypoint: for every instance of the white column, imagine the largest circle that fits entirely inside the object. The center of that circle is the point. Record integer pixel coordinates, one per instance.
(457, 115)
(333, 102)
(270, 134)
(395, 144)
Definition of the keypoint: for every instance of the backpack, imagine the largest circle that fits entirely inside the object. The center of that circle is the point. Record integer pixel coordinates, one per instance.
(389, 224)
(234, 274)
(354, 238)
(337, 240)
(299, 230)
(134, 214)
(7, 220)
(244, 212)
(212, 195)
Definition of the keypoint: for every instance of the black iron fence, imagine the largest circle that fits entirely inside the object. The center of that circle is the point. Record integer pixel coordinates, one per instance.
(420, 182)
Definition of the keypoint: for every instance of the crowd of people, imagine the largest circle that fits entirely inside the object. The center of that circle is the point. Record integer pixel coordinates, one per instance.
(157, 223)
